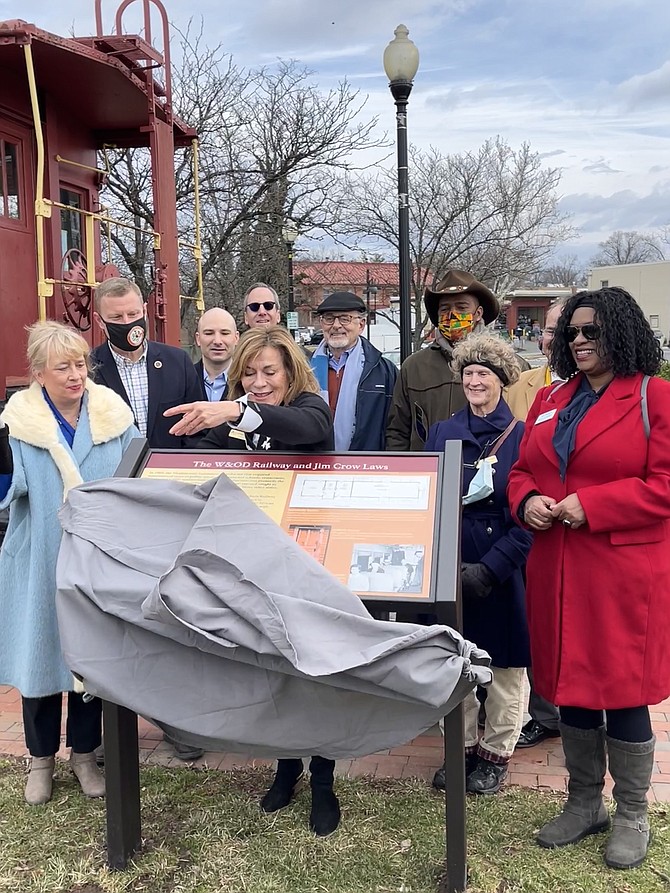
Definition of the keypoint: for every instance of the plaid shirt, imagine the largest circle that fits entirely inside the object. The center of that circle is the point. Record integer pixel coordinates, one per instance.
(136, 382)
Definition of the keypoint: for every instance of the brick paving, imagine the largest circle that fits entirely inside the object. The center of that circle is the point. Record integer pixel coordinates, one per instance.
(541, 767)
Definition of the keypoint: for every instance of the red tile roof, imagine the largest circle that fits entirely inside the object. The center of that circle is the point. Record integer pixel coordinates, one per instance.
(341, 274)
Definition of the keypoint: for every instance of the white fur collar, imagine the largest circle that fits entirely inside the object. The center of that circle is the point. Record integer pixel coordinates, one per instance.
(31, 420)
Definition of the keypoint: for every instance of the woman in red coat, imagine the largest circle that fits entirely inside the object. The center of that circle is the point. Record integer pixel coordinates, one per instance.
(593, 483)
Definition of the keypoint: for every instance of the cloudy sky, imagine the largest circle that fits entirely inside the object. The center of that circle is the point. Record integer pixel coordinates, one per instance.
(586, 82)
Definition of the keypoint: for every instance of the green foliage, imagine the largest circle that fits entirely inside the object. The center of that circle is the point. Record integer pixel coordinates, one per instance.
(665, 370)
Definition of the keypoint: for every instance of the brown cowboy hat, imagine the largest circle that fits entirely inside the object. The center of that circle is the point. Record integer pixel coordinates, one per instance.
(455, 282)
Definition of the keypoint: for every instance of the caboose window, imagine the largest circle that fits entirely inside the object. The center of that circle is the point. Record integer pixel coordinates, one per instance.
(70, 221)
(9, 180)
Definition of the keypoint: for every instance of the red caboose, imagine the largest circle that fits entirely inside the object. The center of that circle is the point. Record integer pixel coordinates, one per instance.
(62, 102)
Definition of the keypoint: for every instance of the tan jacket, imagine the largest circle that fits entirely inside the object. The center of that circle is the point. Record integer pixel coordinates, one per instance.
(520, 396)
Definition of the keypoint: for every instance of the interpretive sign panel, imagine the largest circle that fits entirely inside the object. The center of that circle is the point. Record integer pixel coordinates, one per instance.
(370, 519)
(386, 524)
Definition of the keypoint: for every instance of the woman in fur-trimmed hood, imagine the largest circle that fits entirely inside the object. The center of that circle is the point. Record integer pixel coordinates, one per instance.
(60, 432)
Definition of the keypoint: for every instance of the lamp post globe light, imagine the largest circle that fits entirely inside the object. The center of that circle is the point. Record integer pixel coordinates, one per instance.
(401, 62)
(290, 234)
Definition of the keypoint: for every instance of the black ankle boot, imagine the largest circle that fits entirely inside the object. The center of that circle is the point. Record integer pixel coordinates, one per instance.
(325, 814)
(288, 773)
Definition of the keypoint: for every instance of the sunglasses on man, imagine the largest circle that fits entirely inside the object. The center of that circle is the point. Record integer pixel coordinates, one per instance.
(591, 332)
(266, 305)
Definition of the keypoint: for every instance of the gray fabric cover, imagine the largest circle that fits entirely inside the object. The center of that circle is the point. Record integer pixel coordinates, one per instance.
(190, 605)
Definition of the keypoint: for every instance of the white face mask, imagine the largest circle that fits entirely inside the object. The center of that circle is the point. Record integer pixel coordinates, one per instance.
(481, 486)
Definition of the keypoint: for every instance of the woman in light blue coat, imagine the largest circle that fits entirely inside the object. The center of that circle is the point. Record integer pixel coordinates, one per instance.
(63, 430)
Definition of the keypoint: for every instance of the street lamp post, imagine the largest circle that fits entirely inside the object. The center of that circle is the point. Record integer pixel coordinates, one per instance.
(290, 234)
(370, 291)
(401, 62)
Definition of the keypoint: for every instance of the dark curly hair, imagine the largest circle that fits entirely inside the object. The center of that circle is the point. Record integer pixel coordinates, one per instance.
(627, 339)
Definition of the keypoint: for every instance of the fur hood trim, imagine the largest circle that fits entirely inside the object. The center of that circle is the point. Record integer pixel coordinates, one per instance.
(31, 421)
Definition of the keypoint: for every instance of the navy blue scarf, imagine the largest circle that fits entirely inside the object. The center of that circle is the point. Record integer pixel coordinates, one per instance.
(568, 420)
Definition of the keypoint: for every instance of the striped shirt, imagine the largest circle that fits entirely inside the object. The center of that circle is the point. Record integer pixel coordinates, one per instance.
(135, 379)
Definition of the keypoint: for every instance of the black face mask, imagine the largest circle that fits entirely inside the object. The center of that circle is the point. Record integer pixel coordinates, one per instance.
(127, 336)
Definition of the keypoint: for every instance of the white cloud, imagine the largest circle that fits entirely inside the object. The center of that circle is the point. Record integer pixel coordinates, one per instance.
(569, 82)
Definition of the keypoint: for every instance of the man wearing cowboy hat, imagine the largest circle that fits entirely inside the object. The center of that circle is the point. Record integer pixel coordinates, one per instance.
(427, 391)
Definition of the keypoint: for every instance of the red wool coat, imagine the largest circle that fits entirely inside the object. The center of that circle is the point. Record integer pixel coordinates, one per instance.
(598, 597)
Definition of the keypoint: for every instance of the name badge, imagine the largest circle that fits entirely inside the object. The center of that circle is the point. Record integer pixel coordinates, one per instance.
(545, 416)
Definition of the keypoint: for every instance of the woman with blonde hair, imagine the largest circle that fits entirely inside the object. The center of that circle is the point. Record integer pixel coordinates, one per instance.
(275, 402)
(493, 553)
(63, 430)
(274, 405)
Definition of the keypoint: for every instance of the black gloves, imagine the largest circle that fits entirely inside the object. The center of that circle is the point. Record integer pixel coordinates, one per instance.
(476, 580)
(6, 459)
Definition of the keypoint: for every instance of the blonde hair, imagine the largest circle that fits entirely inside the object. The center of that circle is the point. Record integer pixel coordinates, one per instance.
(487, 350)
(50, 338)
(298, 371)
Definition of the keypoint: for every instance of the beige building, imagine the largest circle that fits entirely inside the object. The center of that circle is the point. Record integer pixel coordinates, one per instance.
(648, 283)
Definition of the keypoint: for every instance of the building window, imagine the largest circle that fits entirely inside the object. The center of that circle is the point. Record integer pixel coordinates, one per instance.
(604, 283)
(70, 221)
(10, 205)
(653, 322)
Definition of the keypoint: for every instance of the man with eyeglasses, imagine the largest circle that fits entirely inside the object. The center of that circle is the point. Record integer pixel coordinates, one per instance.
(356, 381)
(261, 306)
(543, 722)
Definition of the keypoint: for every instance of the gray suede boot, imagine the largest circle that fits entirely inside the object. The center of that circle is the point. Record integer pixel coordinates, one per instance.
(631, 765)
(584, 812)
(40, 781)
(88, 775)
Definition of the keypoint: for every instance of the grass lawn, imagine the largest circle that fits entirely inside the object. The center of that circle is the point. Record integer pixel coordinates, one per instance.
(204, 833)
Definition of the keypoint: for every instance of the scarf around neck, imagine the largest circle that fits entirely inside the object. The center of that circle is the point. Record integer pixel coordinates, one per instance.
(568, 421)
(345, 411)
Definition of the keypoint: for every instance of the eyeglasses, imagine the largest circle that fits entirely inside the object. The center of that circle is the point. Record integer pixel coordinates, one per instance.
(266, 305)
(345, 318)
(591, 332)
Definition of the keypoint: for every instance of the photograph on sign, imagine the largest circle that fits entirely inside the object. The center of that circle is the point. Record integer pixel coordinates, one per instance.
(370, 520)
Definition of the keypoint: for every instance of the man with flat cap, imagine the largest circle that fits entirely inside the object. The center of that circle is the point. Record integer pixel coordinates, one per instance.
(356, 381)
(427, 390)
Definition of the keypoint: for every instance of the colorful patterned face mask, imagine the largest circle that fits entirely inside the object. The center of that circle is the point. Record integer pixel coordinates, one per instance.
(455, 326)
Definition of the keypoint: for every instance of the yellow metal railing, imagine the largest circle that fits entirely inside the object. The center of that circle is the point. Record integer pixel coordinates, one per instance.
(42, 210)
(44, 206)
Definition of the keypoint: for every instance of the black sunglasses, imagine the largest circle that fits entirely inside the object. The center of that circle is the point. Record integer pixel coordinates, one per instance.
(256, 306)
(591, 332)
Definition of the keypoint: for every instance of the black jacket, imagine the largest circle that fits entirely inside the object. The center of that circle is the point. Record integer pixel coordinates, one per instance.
(201, 378)
(306, 425)
(172, 380)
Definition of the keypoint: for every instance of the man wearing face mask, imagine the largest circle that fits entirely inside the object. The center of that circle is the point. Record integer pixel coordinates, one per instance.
(427, 391)
(150, 376)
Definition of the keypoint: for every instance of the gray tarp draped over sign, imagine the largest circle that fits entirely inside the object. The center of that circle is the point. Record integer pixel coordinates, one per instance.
(190, 605)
